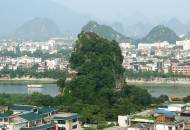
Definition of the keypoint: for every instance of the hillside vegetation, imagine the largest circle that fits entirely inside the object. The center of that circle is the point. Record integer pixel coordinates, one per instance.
(161, 33)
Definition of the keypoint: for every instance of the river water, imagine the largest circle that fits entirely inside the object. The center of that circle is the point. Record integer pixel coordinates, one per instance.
(156, 90)
(52, 89)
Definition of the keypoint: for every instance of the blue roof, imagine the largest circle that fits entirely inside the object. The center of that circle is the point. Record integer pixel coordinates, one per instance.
(42, 127)
(22, 107)
(32, 116)
(45, 110)
(165, 113)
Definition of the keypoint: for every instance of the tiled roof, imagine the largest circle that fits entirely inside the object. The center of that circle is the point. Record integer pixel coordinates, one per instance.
(22, 107)
(31, 116)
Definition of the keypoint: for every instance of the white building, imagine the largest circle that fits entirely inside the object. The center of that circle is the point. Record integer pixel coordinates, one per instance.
(148, 46)
(143, 46)
(176, 107)
(123, 121)
(169, 126)
(185, 44)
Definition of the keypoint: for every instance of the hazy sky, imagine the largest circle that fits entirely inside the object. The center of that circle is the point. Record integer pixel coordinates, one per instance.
(154, 10)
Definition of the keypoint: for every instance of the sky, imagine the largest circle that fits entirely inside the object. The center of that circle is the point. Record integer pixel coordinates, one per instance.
(152, 10)
(71, 15)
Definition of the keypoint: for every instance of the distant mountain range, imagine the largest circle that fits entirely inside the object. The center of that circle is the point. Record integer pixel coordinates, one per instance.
(16, 12)
(44, 28)
(105, 32)
(141, 29)
(37, 29)
(161, 33)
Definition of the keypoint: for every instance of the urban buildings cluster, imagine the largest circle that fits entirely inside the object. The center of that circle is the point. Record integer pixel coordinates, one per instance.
(170, 116)
(159, 57)
(43, 55)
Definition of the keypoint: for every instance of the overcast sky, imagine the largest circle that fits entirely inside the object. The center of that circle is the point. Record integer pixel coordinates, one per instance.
(154, 10)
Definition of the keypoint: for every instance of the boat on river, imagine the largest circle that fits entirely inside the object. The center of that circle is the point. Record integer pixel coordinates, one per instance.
(34, 86)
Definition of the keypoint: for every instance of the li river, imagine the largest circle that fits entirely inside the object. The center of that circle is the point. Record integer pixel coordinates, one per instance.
(52, 89)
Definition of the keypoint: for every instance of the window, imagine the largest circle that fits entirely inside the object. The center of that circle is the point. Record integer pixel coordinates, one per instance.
(74, 120)
(61, 128)
(61, 122)
(74, 127)
(169, 128)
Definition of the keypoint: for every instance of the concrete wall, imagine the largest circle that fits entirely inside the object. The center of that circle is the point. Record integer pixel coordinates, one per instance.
(164, 127)
(123, 121)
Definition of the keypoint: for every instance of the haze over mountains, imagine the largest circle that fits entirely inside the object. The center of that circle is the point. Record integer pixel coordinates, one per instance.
(15, 14)
(37, 29)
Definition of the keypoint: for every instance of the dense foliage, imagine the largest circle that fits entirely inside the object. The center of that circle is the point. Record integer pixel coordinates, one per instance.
(187, 99)
(33, 99)
(98, 91)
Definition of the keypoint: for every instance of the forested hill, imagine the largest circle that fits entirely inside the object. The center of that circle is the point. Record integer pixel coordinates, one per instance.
(92, 91)
(105, 32)
(161, 33)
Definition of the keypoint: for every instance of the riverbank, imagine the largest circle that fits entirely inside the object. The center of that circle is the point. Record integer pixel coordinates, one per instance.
(27, 81)
(164, 83)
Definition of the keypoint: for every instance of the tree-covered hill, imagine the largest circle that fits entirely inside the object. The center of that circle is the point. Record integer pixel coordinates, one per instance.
(161, 33)
(105, 32)
(98, 91)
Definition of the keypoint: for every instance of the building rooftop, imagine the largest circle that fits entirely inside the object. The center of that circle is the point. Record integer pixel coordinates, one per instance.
(142, 120)
(164, 112)
(31, 116)
(176, 105)
(22, 107)
(66, 116)
(44, 110)
(42, 127)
